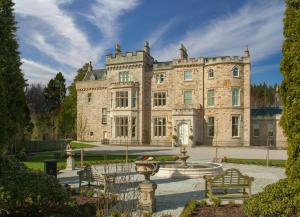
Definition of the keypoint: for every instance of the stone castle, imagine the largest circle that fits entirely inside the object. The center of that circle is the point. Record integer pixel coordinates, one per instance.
(137, 100)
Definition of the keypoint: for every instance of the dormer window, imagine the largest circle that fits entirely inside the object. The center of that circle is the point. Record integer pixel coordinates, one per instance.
(160, 78)
(210, 73)
(235, 72)
(124, 76)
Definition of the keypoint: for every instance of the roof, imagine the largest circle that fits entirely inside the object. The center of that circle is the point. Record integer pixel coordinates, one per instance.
(264, 111)
(97, 74)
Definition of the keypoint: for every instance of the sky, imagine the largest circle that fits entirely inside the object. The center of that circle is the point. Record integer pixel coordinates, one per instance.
(62, 35)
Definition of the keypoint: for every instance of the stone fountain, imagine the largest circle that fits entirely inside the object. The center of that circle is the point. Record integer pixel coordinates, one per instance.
(147, 187)
(184, 169)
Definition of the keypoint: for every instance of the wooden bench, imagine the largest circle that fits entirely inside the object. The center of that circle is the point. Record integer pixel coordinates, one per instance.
(96, 179)
(229, 184)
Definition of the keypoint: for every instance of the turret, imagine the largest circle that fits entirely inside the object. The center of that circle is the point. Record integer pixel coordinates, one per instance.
(183, 52)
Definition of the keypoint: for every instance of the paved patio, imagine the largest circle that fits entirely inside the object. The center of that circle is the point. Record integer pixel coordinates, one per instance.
(173, 194)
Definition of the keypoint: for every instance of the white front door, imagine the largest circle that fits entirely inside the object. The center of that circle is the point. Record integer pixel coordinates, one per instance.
(183, 133)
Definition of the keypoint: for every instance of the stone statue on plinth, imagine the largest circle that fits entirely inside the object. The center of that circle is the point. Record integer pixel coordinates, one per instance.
(70, 159)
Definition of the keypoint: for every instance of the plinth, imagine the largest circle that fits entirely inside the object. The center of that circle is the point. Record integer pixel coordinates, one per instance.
(147, 199)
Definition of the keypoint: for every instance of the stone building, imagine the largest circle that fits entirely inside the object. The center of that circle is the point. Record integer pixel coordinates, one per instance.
(137, 100)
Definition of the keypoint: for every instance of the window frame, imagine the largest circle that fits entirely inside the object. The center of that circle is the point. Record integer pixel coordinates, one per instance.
(158, 99)
(232, 96)
(159, 130)
(121, 126)
(134, 94)
(238, 72)
(208, 73)
(185, 78)
(238, 124)
(256, 129)
(160, 78)
(121, 99)
(211, 125)
(270, 126)
(211, 97)
(184, 97)
(104, 116)
(89, 98)
(124, 76)
(133, 127)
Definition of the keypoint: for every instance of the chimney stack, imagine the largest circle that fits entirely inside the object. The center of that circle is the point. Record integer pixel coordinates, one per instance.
(118, 49)
(246, 52)
(183, 52)
(146, 47)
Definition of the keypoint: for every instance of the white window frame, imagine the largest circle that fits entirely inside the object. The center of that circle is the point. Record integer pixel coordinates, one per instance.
(238, 96)
(185, 78)
(238, 124)
(104, 116)
(185, 100)
(238, 72)
(160, 78)
(124, 76)
(121, 126)
(134, 98)
(159, 99)
(122, 99)
(211, 97)
(159, 127)
(209, 75)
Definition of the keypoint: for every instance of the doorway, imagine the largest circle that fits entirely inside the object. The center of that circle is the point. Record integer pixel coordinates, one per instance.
(183, 133)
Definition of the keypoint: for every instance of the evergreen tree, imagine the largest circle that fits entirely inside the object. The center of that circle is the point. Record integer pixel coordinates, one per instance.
(290, 88)
(68, 112)
(12, 78)
(3, 117)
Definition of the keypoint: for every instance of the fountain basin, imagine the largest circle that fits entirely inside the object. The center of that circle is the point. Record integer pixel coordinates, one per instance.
(194, 170)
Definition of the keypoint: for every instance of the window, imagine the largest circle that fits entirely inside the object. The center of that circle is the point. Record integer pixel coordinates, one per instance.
(133, 98)
(235, 120)
(89, 97)
(235, 72)
(270, 130)
(121, 126)
(187, 98)
(122, 99)
(235, 96)
(159, 99)
(211, 126)
(256, 130)
(188, 75)
(159, 127)
(210, 73)
(133, 126)
(211, 98)
(160, 78)
(104, 115)
(91, 133)
(124, 76)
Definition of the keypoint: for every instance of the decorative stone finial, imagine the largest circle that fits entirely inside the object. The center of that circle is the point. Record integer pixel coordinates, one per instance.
(246, 52)
(118, 49)
(183, 52)
(90, 67)
(146, 47)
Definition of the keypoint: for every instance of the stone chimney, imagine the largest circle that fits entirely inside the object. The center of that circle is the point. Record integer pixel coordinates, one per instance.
(183, 52)
(90, 67)
(246, 52)
(118, 49)
(146, 47)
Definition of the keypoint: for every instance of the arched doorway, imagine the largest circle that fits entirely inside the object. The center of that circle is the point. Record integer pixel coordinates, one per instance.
(183, 134)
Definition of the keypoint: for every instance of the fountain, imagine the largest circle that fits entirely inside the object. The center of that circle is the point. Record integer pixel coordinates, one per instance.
(184, 169)
(147, 187)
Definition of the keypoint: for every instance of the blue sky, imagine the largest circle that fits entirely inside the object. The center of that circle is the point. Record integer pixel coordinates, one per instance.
(61, 35)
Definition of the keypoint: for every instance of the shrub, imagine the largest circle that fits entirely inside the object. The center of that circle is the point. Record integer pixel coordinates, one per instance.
(189, 208)
(166, 215)
(278, 199)
(202, 203)
(216, 201)
(27, 193)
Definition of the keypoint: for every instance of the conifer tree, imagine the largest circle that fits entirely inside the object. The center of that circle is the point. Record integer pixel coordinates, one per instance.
(12, 78)
(290, 88)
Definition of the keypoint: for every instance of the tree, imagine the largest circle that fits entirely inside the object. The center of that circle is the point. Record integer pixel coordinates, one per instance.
(12, 78)
(67, 117)
(3, 117)
(35, 98)
(290, 88)
(54, 94)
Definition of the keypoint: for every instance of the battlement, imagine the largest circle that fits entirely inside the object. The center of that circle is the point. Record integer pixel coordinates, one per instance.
(189, 61)
(223, 59)
(163, 65)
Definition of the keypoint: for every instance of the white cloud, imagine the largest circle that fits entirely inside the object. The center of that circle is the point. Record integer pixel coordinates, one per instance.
(258, 24)
(54, 33)
(38, 73)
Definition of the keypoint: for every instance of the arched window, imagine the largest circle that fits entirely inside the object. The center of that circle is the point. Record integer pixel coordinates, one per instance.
(235, 72)
(210, 73)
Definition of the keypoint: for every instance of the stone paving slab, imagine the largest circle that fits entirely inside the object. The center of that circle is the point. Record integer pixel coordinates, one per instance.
(173, 194)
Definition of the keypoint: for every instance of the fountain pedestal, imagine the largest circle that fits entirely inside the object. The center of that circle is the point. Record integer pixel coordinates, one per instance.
(147, 188)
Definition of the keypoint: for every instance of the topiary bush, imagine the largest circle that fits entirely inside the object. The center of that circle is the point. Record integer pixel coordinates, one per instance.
(278, 199)
(24, 192)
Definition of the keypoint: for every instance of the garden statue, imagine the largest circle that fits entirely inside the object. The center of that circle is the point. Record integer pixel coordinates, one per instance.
(70, 159)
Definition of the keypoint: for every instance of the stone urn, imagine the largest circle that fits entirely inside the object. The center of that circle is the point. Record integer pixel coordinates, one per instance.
(70, 159)
(147, 188)
(183, 157)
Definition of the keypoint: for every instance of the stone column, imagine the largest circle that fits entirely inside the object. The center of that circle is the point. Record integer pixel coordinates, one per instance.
(147, 199)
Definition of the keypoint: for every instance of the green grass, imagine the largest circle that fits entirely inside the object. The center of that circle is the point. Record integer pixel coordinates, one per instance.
(78, 145)
(37, 161)
(262, 162)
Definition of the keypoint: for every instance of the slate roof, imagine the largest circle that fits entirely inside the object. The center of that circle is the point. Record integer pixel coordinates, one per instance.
(97, 74)
(270, 111)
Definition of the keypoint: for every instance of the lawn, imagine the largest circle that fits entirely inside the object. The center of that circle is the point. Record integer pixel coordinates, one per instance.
(78, 145)
(262, 162)
(37, 160)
